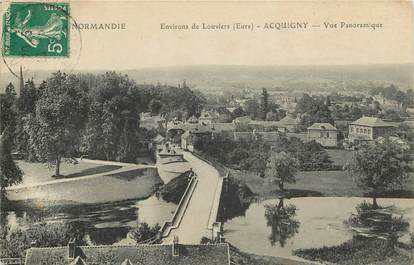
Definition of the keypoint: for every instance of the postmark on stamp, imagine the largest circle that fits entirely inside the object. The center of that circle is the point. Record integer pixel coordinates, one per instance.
(36, 30)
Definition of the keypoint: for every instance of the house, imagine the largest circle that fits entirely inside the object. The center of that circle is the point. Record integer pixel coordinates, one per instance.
(323, 133)
(172, 254)
(369, 129)
(290, 123)
(187, 141)
(190, 134)
(207, 117)
(192, 119)
(152, 122)
(266, 126)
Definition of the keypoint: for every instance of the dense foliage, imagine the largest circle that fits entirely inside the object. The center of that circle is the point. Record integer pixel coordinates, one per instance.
(10, 173)
(15, 241)
(393, 93)
(312, 110)
(250, 152)
(379, 167)
(85, 114)
(113, 123)
(356, 251)
(247, 153)
(55, 128)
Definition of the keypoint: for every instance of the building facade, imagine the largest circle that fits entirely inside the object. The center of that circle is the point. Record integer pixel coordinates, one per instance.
(369, 129)
(323, 133)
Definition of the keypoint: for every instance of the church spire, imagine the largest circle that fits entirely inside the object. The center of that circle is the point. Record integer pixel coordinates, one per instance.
(21, 85)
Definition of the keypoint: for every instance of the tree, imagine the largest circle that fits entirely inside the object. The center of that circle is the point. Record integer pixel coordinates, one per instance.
(253, 109)
(55, 129)
(113, 123)
(313, 110)
(275, 114)
(155, 106)
(379, 167)
(28, 97)
(264, 103)
(8, 112)
(281, 167)
(10, 173)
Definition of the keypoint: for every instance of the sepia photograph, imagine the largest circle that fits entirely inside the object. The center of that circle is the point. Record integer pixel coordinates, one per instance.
(206, 132)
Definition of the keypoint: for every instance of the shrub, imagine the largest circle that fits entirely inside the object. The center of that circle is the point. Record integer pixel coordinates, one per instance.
(144, 232)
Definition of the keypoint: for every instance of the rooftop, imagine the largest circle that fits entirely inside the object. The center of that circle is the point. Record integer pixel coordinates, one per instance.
(371, 122)
(289, 120)
(209, 254)
(322, 126)
(204, 128)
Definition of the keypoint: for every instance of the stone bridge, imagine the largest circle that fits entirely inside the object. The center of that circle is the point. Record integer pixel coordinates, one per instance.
(196, 214)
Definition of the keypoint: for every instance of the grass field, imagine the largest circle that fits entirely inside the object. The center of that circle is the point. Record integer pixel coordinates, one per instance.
(315, 183)
(37, 173)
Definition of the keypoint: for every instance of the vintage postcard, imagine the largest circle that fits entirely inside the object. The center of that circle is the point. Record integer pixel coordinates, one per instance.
(206, 132)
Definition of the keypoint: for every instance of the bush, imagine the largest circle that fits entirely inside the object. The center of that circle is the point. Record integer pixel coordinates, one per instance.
(356, 251)
(174, 190)
(144, 232)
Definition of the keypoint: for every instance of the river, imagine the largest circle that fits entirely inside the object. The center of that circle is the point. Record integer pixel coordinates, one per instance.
(315, 222)
(108, 207)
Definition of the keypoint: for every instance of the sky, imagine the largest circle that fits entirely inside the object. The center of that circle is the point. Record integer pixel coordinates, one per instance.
(144, 44)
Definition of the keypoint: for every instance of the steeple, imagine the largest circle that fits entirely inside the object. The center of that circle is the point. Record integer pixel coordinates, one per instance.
(21, 85)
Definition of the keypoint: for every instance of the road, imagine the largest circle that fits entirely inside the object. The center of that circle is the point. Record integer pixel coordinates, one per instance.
(193, 226)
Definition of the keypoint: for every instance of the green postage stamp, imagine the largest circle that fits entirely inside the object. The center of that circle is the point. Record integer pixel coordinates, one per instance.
(36, 30)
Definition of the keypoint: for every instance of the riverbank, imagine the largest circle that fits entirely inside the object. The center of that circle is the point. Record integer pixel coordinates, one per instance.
(239, 257)
(361, 251)
(315, 183)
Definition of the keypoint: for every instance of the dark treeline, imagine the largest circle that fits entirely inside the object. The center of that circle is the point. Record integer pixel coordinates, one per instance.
(95, 115)
(251, 152)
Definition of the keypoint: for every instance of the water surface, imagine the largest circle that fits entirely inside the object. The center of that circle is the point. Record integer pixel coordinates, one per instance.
(321, 222)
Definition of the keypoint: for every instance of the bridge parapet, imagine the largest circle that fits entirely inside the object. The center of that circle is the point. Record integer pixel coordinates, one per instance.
(216, 203)
(180, 211)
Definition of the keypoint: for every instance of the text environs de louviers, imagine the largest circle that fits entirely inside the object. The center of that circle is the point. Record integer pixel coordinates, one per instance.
(99, 26)
(221, 26)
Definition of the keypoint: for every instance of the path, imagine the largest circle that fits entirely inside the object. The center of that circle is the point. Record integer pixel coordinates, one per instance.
(194, 224)
(125, 167)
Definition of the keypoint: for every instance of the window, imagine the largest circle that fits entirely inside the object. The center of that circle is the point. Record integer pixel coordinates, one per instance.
(327, 134)
(365, 131)
(352, 129)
